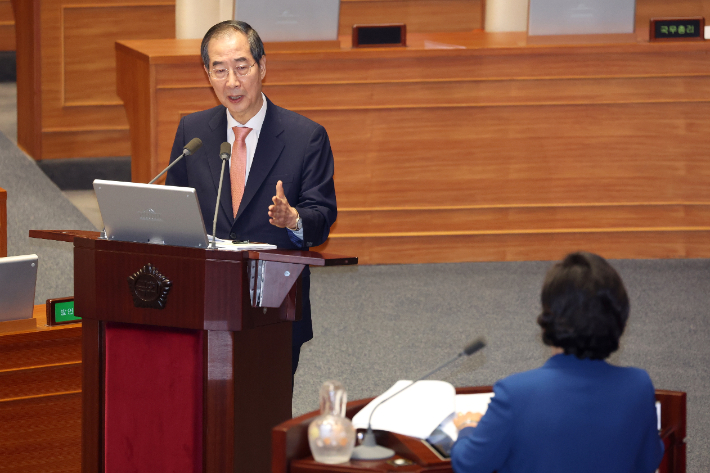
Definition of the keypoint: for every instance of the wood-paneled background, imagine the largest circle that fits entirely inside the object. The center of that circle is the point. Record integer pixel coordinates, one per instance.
(67, 103)
(7, 26)
(467, 141)
(481, 153)
(66, 88)
(420, 16)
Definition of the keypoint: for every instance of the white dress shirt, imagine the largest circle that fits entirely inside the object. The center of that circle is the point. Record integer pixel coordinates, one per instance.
(252, 139)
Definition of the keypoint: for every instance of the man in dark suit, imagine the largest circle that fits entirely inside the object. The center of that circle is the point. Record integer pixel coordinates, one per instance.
(279, 185)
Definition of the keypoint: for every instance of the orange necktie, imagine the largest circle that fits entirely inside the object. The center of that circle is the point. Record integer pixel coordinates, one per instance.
(238, 166)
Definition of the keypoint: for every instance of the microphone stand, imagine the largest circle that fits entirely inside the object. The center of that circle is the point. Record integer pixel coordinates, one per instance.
(368, 449)
(189, 148)
(224, 153)
(192, 146)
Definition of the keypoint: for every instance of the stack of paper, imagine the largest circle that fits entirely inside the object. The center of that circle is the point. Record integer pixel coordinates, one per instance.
(419, 410)
(229, 245)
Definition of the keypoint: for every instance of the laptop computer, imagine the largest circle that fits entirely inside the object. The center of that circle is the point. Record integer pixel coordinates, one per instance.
(18, 279)
(291, 20)
(575, 17)
(149, 213)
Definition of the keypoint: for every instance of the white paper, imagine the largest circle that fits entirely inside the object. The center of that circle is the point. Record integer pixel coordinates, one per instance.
(416, 411)
(473, 402)
(229, 246)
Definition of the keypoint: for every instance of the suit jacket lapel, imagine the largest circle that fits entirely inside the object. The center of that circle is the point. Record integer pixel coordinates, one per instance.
(218, 127)
(268, 150)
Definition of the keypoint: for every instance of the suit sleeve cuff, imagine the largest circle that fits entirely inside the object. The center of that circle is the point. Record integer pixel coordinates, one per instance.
(296, 237)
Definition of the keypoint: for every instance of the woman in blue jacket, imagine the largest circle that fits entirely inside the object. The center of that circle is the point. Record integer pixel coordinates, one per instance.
(576, 413)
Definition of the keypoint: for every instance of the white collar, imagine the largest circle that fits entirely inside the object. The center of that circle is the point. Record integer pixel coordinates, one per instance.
(255, 122)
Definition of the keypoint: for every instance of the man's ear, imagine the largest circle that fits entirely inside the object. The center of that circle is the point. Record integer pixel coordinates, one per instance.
(262, 67)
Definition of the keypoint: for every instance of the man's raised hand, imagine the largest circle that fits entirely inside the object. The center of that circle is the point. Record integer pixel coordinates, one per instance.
(281, 214)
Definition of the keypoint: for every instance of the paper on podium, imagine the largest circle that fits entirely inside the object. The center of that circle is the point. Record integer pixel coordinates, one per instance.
(416, 412)
(231, 246)
(473, 402)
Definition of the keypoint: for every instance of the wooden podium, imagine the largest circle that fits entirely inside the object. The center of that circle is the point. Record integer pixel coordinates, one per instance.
(186, 352)
(292, 453)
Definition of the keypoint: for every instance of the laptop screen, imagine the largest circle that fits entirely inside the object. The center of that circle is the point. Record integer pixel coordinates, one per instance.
(18, 278)
(574, 17)
(291, 20)
(149, 213)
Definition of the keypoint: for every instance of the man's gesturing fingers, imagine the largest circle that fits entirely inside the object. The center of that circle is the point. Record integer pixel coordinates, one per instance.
(281, 213)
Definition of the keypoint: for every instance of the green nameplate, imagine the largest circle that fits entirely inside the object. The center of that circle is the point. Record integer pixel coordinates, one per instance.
(61, 311)
(64, 312)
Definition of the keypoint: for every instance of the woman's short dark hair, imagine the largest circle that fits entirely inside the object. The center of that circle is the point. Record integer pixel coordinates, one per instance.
(584, 306)
(256, 47)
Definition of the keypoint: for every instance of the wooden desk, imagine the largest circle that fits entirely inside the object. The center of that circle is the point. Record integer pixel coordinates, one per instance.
(40, 398)
(291, 453)
(477, 143)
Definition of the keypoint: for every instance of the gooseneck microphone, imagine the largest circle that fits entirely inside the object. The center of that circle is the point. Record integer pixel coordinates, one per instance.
(187, 150)
(368, 449)
(225, 151)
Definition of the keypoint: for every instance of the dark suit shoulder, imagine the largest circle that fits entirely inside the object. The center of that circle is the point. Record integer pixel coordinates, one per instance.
(204, 117)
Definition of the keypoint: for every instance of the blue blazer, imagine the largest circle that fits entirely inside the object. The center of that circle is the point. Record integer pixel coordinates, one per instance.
(569, 415)
(292, 149)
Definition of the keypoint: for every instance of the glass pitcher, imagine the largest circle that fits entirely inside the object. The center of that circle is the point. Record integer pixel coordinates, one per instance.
(331, 435)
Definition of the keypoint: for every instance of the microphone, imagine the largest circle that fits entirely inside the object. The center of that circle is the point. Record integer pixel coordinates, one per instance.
(368, 449)
(187, 150)
(225, 151)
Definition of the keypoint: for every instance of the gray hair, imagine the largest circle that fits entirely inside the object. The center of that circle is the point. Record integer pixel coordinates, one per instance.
(225, 28)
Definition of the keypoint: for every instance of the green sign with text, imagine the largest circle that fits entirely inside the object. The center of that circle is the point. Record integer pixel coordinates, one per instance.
(64, 312)
(678, 28)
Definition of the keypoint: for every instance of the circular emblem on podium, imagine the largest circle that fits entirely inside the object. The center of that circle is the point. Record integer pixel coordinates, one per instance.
(149, 288)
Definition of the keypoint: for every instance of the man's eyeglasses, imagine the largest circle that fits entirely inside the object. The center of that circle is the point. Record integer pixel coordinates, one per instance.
(222, 73)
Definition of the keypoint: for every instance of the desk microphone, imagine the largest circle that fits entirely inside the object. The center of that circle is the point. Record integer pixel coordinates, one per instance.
(368, 449)
(225, 151)
(187, 150)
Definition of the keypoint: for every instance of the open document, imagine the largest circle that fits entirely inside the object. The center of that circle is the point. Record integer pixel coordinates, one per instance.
(420, 410)
(230, 245)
